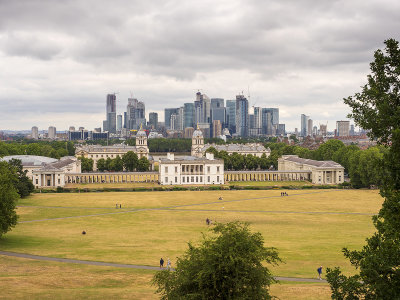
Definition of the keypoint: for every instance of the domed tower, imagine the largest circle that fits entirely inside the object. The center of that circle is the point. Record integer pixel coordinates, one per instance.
(197, 143)
(141, 143)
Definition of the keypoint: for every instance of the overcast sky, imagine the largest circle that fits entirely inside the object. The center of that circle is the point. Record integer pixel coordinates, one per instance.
(59, 59)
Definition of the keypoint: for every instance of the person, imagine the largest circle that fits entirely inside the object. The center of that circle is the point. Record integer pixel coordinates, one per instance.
(168, 264)
(161, 263)
(120, 206)
(84, 232)
(208, 221)
(319, 272)
(116, 205)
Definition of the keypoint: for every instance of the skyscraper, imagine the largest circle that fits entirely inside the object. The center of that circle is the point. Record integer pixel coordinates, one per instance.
(217, 103)
(202, 106)
(242, 116)
(231, 115)
(257, 120)
(342, 128)
(52, 133)
(111, 113)
(153, 120)
(119, 122)
(167, 116)
(135, 114)
(188, 112)
(304, 125)
(35, 133)
(217, 129)
(310, 127)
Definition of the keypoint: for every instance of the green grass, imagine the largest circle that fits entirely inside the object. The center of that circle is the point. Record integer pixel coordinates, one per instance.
(304, 240)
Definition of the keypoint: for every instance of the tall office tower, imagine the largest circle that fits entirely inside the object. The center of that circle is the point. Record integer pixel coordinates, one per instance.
(218, 113)
(309, 127)
(217, 103)
(188, 112)
(269, 120)
(342, 128)
(202, 106)
(111, 113)
(188, 132)
(217, 128)
(257, 120)
(71, 128)
(251, 121)
(153, 120)
(167, 116)
(323, 129)
(315, 131)
(180, 118)
(231, 115)
(125, 117)
(35, 133)
(352, 133)
(304, 125)
(135, 114)
(281, 130)
(119, 122)
(81, 128)
(242, 116)
(105, 125)
(174, 122)
(52, 133)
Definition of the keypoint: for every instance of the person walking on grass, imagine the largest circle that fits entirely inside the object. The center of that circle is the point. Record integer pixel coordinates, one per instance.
(168, 264)
(319, 272)
(161, 263)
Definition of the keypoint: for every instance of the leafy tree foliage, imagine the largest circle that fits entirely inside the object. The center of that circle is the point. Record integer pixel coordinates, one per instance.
(23, 184)
(130, 161)
(8, 197)
(54, 149)
(377, 108)
(225, 265)
(101, 165)
(143, 164)
(86, 164)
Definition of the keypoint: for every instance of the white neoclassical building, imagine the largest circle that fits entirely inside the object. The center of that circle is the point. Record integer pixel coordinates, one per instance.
(46, 171)
(97, 152)
(322, 172)
(191, 170)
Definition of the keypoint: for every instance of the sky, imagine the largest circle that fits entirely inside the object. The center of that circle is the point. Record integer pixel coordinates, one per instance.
(59, 59)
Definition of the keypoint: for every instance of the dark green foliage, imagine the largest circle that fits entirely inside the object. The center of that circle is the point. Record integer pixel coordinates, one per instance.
(86, 164)
(130, 161)
(8, 197)
(225, 265)
(377, 108)
(143, 164)
(101, 165)
(169, 145)
(54, 149)
(24, 184)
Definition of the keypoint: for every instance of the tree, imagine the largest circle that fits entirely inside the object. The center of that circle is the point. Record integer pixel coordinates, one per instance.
(101, 165)
(143, 164)
(377, 108)
(8, 197)
(226, 265)
(23, 185)
(86, 164)
(130, 161)
(117, 164)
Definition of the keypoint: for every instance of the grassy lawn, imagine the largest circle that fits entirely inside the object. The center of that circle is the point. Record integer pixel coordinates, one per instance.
(308, 228)
(269, 183)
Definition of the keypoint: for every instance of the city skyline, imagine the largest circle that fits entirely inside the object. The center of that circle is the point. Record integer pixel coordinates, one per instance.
(59, 60)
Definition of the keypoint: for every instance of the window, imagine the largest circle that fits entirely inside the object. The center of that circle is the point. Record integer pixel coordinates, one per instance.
(166, 169)
(201, 179)
(183, 168)
(106, 155)
(340, 178)
(208, 169)
(192, 178)
(208, 178)
(197, 179)
(176, 179)
(102, 155)
(176, 169)
(97, 155)
(112, 155)
(58, 180)
(183, 179)
(166, 179)
(217, 169)
(91, 155)
(37, 181)
(217, 178)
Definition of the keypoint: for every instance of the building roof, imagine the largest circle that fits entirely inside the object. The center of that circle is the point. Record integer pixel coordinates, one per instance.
(251, 147)
(141, 133)
(182, 159)
(30, 160)
(311, 162)
(197, 132)
(113, 148)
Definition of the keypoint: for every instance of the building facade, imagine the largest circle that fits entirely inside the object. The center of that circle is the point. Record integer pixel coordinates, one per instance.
(191, 170)
(35, 133)
(342, 128)
(322, 172)
(242, 116)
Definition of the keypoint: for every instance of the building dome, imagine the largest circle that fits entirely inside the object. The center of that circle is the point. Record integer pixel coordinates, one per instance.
(197, 132)
(141, 133)
(30, 160)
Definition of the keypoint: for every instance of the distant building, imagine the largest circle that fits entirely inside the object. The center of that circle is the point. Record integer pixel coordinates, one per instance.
(188, 132)
(304, 125)
(153, 120)
(119, 122)
(190, 170)
(217, 128)
(309, 127)
(231, 115)
(342, 128)
(135, 114)
(111, 113)
(323, 129)
(242, 116)
(167, 116)
(52, 133)
(35, 133)
(352, 133)
(189, 117)
(281, 129)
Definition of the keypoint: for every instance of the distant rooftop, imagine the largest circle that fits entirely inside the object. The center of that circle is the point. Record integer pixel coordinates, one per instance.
(311, 162)
(30, 160)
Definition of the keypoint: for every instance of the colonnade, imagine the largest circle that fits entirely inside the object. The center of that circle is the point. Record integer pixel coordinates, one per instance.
(123, 177)
(267, 175)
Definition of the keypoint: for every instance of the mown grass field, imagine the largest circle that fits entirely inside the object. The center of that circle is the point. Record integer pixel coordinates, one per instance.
(309, 228)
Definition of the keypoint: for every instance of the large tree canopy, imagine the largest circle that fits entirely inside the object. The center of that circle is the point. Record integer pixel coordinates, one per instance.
(226, 265)
(8, 197)
(377, 108)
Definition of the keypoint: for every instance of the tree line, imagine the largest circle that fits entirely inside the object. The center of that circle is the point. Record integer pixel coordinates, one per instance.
(128, 162)
(54, 149)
